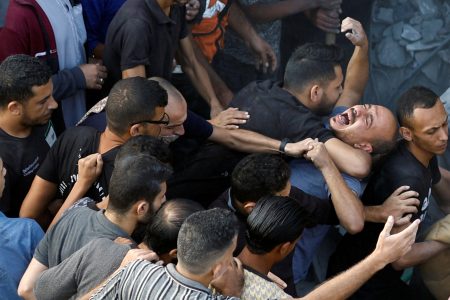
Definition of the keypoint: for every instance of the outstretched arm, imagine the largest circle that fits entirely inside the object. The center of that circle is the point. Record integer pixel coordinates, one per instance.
(389, 248)
(358, 66)
(26, 285)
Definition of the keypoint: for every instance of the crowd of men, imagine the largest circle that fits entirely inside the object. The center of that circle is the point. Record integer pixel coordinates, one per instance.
(169, 166)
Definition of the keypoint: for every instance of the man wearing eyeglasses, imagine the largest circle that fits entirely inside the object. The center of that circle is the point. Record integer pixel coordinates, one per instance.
(135, 107)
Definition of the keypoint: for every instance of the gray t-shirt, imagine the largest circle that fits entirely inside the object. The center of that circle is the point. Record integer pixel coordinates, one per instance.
(82, 271)
(73, 231)
(269, 31)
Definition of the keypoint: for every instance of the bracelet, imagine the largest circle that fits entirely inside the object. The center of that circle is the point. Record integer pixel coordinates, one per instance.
(283, 145)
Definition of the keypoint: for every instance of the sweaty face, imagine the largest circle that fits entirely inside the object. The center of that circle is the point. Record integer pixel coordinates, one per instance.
(364, 124)
(38, 109)
(331, 93)
(429, 128)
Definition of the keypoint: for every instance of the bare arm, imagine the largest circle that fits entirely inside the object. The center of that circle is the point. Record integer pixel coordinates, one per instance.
(358, 66)
(38, 198)
(89, 168)
(347, 205)
(222, 91)
(251, 142)
(268, 12)
(197, 74)
(419, 253)
(26, 285)
(265, 57)
(389, 248)
(349, 160)
(441, 191)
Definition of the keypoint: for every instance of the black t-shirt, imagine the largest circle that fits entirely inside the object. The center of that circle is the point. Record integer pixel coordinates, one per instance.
(400, 168)
(276, 113)
(141, 34)
(61, 164)
(22, 157)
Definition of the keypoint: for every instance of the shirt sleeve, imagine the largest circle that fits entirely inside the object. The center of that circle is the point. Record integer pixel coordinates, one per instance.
(50, 166)
(41, 253)
(92, 13)
(135, 46)
(197, 127)
(184, 31)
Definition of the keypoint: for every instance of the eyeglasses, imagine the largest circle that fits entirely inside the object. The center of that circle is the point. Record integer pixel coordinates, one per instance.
(165, 120)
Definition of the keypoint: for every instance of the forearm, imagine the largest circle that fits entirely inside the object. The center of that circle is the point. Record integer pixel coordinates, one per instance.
(346, 283)
(67, 82)
(239, 22)
(348, 207)
(245, 140)
(356, 78)
(375, 214)
(419, 253)
(268, 12)
(38, 197)
(218, 84)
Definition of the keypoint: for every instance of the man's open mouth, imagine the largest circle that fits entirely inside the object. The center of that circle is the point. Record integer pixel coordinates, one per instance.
(343, 119)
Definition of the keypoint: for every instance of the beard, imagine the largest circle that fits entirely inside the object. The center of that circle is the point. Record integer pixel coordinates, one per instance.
(169, 138)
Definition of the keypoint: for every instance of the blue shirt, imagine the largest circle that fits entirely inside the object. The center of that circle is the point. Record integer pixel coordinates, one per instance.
(18, 239)
(98, 14)
(309, 179)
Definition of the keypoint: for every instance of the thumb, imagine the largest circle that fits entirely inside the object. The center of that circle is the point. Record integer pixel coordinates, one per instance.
(388, 226)
(99, 162)
(351, 37)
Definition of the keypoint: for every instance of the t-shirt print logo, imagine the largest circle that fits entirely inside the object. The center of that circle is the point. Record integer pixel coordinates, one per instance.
(31, 168)
(50, 135)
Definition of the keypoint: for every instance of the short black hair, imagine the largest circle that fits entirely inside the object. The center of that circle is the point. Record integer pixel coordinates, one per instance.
(147, 145)
(204, 238)
(18, 74)
(162, 233)
(259, 175)
(135, 177)
(311, 62)
(415, 97)
(133, 100)
(274, 220)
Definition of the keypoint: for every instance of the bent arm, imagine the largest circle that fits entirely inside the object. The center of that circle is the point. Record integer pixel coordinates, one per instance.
(349, 160)
(441, 191)
(28, 281)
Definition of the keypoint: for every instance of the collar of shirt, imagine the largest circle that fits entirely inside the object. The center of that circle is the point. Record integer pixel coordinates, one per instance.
(158, 13)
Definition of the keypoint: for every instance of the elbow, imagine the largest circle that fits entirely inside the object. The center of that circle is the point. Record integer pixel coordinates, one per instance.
(354, 227)
(25, 291)
(361, 171)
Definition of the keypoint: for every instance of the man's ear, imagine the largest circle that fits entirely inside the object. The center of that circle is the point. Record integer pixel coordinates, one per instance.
(15, 108)
(135, 130)
(406, 133)
(249, 206)
(285, 248)
(142, 208)
(364, 146)
(316, 93)
(173, 253)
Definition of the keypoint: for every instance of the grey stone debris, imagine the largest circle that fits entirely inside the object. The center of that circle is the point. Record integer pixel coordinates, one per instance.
(427, 7)
(385, 15)
(445, 55)
(430, 29)
(420, 46)
(391, 54)
(410, 33)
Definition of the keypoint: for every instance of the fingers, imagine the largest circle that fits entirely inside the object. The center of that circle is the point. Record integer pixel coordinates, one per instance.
(387, 227)
(400, 190)
(403, 221)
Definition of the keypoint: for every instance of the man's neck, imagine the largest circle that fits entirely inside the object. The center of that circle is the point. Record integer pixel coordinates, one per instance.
(125, 222)
(421, 155)
(205, 279)
(165, 5)
(13, 127)
(300, 98)
(109, 140)
(260, 263)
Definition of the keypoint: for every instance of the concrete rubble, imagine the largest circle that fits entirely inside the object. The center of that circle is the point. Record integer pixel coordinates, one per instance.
(410, 44)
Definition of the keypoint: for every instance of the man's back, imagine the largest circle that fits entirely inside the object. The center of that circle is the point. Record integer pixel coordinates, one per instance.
(72, 232)
(144, 280)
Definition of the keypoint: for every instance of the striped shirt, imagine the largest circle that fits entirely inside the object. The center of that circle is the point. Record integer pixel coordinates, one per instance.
(144, 280)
